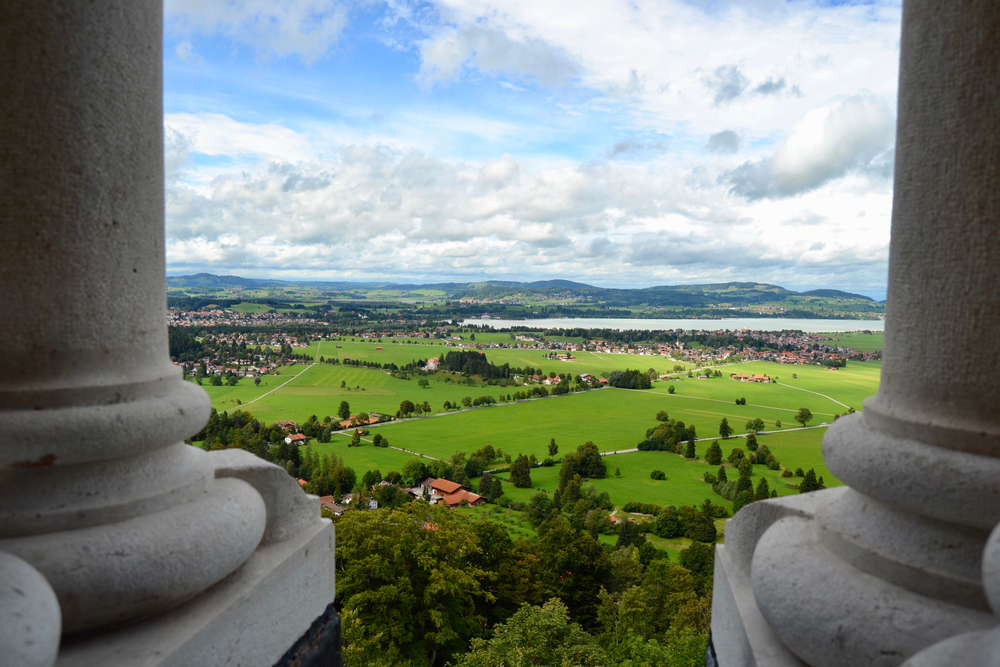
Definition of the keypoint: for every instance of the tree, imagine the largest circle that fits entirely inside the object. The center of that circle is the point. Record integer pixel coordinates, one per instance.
(490, 487)
(553, 447)
(406, 408)
(804, 416)
(809, 482)
(371, 478)
(542, 636)
(755, 425)
(423, 383)
(777, 424)
(538, 508)
(662, 416)
(344, 411)
(414, 472)
(689, 452)
(256, 380)
(355, 439)
(704, 529)
(520, 472)
(618, 472)
(725, 430)
(763, 490)
(467, 401)
(713, 455)
(411, 597)
(670, 389)
(628, 535)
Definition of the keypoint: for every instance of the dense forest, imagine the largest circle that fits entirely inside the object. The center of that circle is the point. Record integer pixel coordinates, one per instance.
(421, 585)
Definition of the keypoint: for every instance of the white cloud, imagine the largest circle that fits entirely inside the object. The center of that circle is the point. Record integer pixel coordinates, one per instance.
(727, 140)
(855, 134)
(493, 52)
(372, 212)
(303, 28)
(219, 135)
(673, 66)
(184, 51)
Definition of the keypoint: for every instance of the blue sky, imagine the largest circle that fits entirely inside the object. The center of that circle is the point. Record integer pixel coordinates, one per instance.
(615, 143)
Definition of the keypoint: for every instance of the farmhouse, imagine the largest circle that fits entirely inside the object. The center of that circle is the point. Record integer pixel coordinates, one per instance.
(472, 499)
(450, 493)
(327, 503)
(295, 439)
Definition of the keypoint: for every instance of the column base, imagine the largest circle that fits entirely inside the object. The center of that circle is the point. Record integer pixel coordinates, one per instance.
(741, 636)
(275, 606)
(782, 598)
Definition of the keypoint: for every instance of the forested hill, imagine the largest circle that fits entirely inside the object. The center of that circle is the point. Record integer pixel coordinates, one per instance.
(715, 295)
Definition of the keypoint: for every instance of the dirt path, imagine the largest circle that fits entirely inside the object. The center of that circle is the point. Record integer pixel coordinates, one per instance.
(299, 374)
(398, 449)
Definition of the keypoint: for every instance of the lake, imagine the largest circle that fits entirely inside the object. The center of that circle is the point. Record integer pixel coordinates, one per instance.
(735, 324)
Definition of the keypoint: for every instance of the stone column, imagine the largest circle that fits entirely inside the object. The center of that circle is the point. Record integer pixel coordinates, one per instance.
(873, 573)
(98, 493)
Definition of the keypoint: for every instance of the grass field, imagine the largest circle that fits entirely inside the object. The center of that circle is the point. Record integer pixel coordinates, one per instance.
(684, 484)
(401, 352)
(861, 341)
(823, 391)
(613, 419)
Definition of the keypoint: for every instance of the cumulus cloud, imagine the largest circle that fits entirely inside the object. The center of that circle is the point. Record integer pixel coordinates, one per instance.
(829, 142)
(303, 28)
(376, 212)
(493, 52)
(725, 142)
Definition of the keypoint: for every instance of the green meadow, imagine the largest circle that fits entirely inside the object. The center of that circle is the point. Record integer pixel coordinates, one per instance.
(614, 419)
(862, 341)
(825, 392)
(401, 351)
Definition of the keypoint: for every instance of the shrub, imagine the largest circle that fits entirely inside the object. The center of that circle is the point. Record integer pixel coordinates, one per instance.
(657, 474)
(633, 507)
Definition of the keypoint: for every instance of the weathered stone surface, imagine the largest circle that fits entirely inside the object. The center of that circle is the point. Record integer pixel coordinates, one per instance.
(895, 564)
(29, 616)
(164, 554)
(250, 619)
(289, 511)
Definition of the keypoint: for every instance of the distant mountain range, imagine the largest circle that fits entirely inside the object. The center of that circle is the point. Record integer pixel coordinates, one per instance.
(733, 294)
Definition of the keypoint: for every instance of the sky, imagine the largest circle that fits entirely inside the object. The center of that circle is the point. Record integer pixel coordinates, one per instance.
(619, 143)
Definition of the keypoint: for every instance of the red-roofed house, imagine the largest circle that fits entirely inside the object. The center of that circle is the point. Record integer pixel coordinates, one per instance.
(445, 487)
(455, 499)
(441, 488)
(326, 502)
(296, 439)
